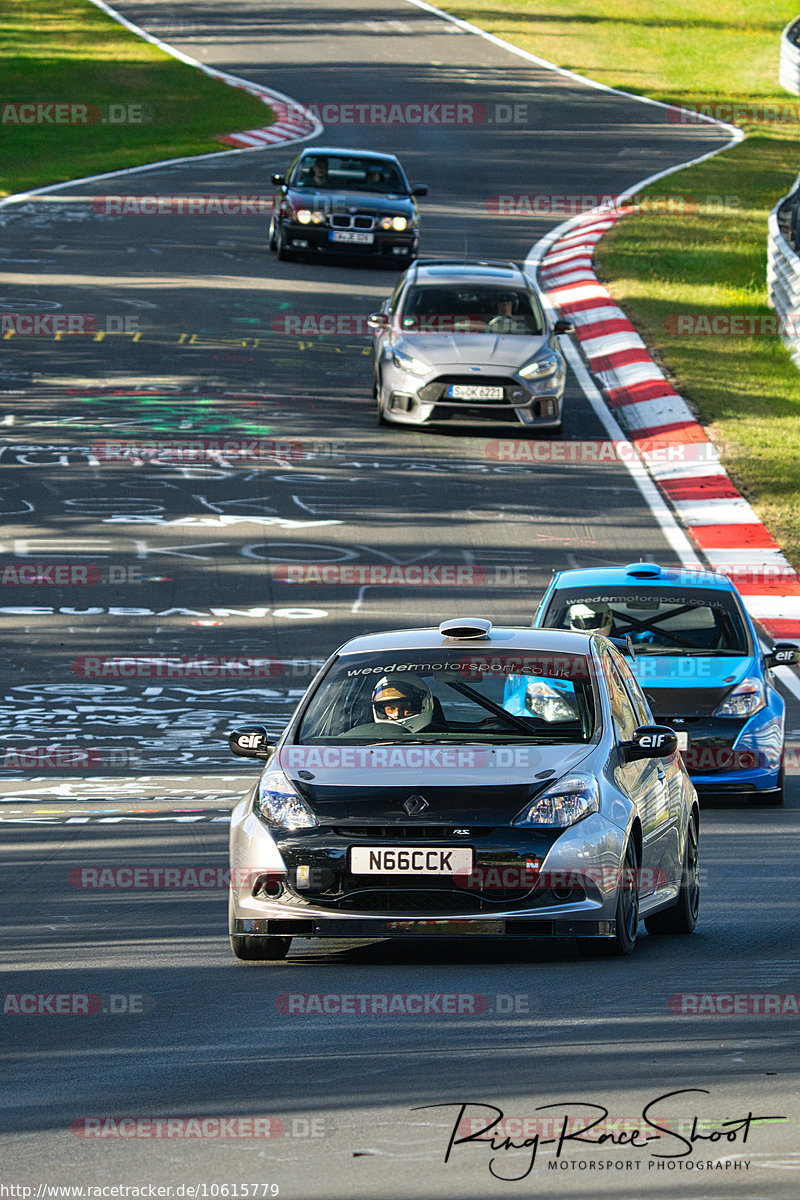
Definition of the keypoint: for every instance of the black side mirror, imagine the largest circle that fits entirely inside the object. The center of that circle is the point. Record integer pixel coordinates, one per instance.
(250, 741)
(625, 645)
(421, 189)
(279, 180)
(650, 741)
(782, 654)
(562, 325)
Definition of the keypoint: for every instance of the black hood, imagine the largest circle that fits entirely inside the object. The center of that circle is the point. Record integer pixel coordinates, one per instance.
(381, 805)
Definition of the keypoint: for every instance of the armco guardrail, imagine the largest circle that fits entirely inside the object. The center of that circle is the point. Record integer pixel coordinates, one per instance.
(789, 69)
(783, 271)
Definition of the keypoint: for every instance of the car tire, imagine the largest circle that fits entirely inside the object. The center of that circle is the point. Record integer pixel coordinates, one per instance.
(382, 419)
(273, 245)
(260, 949)
(626, 916)
(682, 916)
(775, 799)
(284, 254)
(256, 949)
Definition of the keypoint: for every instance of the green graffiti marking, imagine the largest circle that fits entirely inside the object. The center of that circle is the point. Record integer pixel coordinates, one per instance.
(171, 413)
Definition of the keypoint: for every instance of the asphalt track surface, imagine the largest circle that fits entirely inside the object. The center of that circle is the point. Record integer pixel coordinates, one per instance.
(188, 561)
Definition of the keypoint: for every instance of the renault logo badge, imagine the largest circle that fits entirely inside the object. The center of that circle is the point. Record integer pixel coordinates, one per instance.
(415, 804)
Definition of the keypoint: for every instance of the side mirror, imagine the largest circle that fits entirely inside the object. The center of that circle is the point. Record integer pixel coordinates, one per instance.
(378, 320)
(250, 741)
(650, 741)
(279, 180)
(562, 325)
(420, 189)
(625, 645)
(782, 654)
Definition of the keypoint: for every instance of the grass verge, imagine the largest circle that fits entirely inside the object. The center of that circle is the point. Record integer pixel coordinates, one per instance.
(125, 102)
(720, 57)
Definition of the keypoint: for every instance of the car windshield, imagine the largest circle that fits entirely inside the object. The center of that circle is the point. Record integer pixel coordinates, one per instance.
(674, 621)
(453, 696)
(478, 308)
(351, 174)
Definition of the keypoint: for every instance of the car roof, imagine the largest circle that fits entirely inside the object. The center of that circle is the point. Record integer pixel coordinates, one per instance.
(642, 574)
(498, 639)
(344, 151)
(443, 270)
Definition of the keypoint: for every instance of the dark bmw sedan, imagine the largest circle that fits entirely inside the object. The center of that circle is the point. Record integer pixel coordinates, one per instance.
(346, 202)
(465, 781)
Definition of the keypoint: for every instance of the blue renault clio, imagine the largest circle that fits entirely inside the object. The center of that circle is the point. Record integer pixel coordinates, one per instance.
(697, 657)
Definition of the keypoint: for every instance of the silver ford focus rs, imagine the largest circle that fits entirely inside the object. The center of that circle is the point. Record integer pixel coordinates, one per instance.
(470, 340)
(466, 781)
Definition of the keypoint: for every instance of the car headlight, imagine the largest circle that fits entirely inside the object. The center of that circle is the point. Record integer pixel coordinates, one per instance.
(409, 364)
(541, 368)
(396, 223)
(278, 804)
(563, 803)
(746, 698)
(306, 217)
(547, 703)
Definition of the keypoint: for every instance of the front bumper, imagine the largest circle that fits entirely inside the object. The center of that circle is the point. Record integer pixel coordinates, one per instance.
(726, 756)
(409, 403)
(301, 886)
(316, 927)
(315, 239)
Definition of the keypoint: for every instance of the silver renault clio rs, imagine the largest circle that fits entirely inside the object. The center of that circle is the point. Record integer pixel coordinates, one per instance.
(466, 781)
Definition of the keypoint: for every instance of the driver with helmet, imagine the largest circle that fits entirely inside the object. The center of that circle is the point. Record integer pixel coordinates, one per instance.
(585, 619)
(398, 701)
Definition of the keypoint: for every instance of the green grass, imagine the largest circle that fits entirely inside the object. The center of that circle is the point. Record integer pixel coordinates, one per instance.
(68, 51)
(744, 390)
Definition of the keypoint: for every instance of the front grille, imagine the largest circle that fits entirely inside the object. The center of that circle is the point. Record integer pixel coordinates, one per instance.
(447, 900)
(411, 833)
(352, 221)
(434, 392)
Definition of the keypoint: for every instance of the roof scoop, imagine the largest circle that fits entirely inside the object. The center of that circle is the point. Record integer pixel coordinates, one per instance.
(643, 570)
(466, 628)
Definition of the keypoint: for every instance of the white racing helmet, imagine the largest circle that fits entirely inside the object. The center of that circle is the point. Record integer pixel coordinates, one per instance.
(412, 702)
(584, 618)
